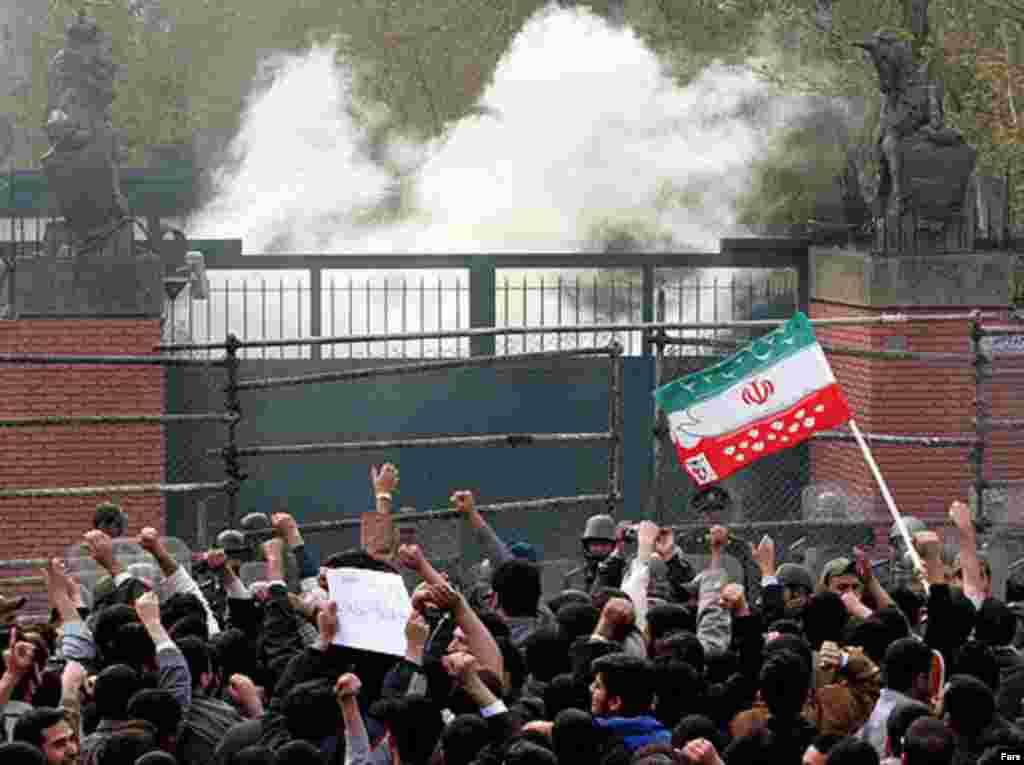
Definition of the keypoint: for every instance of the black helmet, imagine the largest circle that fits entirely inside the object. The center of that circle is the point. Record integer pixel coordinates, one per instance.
(231, 539)
(599, 528)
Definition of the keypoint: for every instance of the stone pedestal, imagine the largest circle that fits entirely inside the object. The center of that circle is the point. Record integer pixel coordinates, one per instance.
(907, 397)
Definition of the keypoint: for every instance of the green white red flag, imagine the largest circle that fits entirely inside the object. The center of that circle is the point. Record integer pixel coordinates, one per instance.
(770, 396)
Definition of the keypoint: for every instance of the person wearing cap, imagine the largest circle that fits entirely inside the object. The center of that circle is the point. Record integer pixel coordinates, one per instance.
(898, 571)
(840, 575)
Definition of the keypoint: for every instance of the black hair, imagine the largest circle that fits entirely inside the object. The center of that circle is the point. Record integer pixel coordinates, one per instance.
(693, 727)
(784, 682)
(978, 660)
(852, 751)
(565, 597)
(32, 725)
(668, 618)
(463, 738)
(234, 653)
(114, 686)
(547, 654)
(602, 595)
(518, 587)
(895, 621)
(995, 623)
(928, 742)
(122, 748)
(21, 753)
(197, 656)
(359, 559)
(524, 752)
(180, 605)
(158, 707)
(824, 618)
(107, 623)
(679, 689)
(565, 692)
(578, 619)
(873, 636)
(794, 644)
(753, 749)
(824, 742)
(192, 625)
(415, 725)
(909, 602)
(299, 753)
(572, 737)
(252, 755)
(786, 627)
(684, 646)
(311, 710)
(497, 626)
(630, 679)
(904, 661)
(132, 646)
(900, 718)
(970, 704)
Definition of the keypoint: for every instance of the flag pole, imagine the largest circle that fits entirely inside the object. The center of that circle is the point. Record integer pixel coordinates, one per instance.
(889, 502)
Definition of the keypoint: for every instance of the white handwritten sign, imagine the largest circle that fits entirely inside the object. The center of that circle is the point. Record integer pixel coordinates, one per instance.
(373, 608)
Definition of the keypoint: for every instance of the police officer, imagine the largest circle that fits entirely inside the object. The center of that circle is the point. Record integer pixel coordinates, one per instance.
(604, 561)
(899, 570)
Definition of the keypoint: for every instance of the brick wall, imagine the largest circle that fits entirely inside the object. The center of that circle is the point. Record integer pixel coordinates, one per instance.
(911, 398)
(77, 455)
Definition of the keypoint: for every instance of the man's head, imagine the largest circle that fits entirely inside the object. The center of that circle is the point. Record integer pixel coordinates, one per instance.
(517, 588)
(852, 751)
(840, 576)
(901, 718)
(200, 664)
(115, 685)
(986, 573)
(598, 538)
(797, 587)
(622, 686)
(817, 752)
(110, 519)
(49, 730)
(928, 742)
(907, 668)
(995, 624)
(968, 705)
(160, 709)
(785, 681)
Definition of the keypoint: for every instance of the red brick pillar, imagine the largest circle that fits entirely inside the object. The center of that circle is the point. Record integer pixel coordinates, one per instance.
(887, 396)
(77, 455)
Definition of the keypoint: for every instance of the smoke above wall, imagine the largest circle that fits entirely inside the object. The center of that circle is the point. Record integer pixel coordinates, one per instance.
(580, 136)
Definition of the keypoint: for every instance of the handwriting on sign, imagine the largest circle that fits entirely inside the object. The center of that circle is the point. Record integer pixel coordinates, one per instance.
(373, 607)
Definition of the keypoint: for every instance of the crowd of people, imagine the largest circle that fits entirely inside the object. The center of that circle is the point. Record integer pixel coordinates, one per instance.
(639, 660)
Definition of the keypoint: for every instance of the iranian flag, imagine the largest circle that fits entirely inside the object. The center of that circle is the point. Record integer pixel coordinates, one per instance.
(770, 396)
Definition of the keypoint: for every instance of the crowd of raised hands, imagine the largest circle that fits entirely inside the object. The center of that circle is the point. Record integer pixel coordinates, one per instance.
(645, 662)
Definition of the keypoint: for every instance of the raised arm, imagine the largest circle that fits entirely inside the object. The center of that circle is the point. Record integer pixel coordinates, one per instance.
(974, 585)
(176, 578)
(174, 673)
(494, 548)
(479, 639)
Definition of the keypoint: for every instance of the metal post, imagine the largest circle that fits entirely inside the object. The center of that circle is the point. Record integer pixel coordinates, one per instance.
(483, 311)
(615, 427)
(315, 310)
(232, 403)
(647, 305)
(981, 416)
(660, 429)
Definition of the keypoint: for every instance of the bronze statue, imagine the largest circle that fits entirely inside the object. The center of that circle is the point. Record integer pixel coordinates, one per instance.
(912, 115)
(81, 165)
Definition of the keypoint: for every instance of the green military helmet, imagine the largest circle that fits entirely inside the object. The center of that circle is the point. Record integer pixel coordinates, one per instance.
(913, 524)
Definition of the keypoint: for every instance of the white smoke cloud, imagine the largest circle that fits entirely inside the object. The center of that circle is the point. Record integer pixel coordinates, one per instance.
(579, 128)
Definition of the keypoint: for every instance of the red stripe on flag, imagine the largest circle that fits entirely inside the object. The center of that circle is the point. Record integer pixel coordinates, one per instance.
(713, 459)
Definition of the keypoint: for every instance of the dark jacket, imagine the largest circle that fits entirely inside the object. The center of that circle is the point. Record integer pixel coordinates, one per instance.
(203, 726)
(1011, 682)
(93, 744)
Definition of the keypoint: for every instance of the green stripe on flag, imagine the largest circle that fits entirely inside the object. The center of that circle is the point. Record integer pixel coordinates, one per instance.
(795, 335)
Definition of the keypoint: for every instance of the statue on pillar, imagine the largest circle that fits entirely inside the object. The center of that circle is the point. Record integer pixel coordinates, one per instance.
(81, 165)
(925, 166)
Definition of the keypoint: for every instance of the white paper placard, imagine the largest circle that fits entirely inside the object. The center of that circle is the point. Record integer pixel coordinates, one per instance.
(373, 608)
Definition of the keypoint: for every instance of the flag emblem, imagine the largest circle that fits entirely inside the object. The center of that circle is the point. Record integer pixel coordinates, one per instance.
(769, 396)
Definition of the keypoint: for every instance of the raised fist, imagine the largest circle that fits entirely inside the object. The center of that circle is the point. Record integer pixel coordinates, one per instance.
(385, 479)
(147, 606)
(618, 612)
(960, 514)
(464, 501)
(348, 686)
(101, 548)
(460, 665)
(732, 598)
(719, 537)
(149, 540)
(417, 631)
(284, 525)
(763, 554)
(411, 556)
